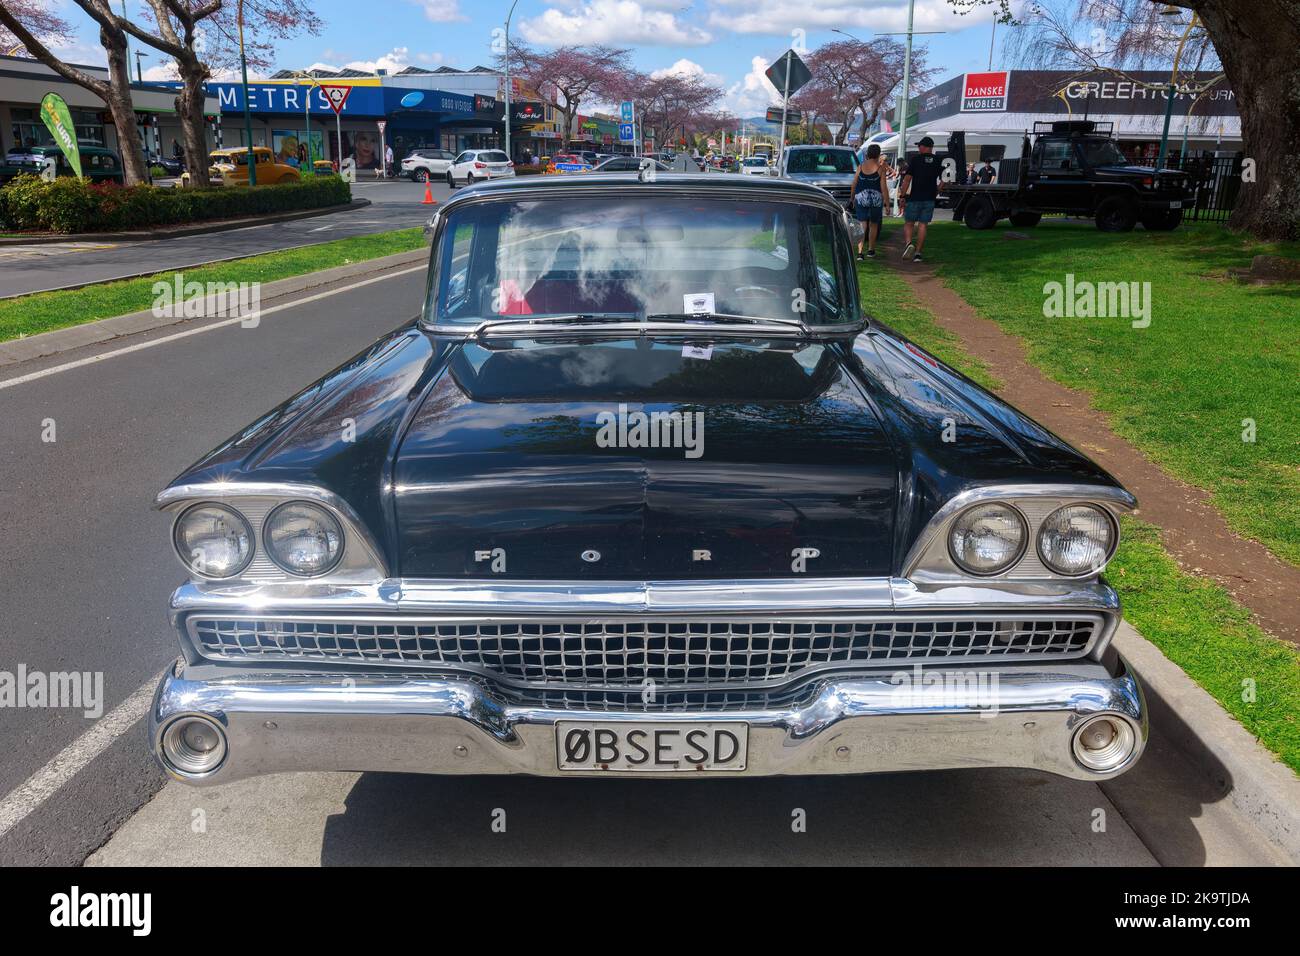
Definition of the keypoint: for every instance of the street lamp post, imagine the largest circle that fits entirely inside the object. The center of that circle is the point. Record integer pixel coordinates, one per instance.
(306, 117)
(248, 117)
(509, 155)
(907, 71)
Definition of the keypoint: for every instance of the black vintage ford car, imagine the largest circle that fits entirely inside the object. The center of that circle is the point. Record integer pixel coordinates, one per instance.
(645, 489)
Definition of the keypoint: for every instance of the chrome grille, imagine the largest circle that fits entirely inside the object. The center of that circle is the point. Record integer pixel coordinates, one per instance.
(626, 653)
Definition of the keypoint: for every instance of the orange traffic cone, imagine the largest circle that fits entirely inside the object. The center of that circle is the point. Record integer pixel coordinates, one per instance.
(428, 199)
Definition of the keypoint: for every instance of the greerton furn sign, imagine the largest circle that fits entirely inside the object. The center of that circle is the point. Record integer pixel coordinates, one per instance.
(985, 92)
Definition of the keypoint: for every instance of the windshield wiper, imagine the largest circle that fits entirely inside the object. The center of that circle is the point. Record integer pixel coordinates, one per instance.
(729, 318)
(572, 318)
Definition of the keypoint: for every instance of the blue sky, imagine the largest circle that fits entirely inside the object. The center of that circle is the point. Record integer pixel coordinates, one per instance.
(730, 41)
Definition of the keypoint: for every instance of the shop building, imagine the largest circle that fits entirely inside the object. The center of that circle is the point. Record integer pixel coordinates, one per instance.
(443, 108)
(1007, 103)
(24, 81)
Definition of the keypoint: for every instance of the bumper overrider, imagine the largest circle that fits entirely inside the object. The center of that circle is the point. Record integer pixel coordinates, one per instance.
(215, 721)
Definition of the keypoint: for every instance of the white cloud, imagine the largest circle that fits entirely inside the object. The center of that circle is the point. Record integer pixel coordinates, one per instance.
(781, 17)
(752, 95)
(394, 60)
(441, 11)
(161, 72)
(689, 68)
(614, 22)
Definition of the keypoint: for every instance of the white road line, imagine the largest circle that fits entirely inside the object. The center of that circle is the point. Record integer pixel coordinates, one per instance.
(44, 783)
(91, 360)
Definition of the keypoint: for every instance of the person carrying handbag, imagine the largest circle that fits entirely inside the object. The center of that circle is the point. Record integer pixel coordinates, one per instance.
(868, 198)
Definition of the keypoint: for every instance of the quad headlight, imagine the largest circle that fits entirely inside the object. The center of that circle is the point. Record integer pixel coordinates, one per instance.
(988, 538)
(213, 541)
(1076, 539)
(303, 538)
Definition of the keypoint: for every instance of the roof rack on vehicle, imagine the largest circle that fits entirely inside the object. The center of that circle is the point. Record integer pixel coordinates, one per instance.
(1104, 127)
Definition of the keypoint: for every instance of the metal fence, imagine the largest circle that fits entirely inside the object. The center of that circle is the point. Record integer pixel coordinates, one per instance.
(1217, 181)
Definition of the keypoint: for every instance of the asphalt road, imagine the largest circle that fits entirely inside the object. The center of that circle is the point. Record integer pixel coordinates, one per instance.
(86, 576)
(33, 268)
(84, 584)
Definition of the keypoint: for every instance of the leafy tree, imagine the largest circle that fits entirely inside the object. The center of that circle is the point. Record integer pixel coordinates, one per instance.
(568, 75)
(31, 23)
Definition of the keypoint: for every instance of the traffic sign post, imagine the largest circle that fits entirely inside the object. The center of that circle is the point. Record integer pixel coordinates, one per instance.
(794, 74)
(383, 150)
(337, 96)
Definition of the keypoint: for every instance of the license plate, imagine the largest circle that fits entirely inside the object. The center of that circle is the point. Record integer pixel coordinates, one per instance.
(648, 746)
(1175, 205)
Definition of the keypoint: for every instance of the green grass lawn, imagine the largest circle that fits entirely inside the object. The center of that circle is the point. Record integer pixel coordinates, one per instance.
(1201, 629)
(45, 311)
(888, 298)
(1194, 622)
(1217, 351)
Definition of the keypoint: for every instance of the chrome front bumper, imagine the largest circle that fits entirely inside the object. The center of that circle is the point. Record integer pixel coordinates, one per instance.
(1019, 716)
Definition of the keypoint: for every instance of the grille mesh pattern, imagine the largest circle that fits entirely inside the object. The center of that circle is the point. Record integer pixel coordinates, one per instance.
(621, 654)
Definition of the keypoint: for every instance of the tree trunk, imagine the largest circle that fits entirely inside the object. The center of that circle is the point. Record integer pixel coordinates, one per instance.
(116, 93)
(189, 107)
(1258, 42)
(118, 98)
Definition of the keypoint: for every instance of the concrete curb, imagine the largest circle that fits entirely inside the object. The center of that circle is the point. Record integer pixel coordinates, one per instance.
(1261, 788)
(102, 330)
(199, 229)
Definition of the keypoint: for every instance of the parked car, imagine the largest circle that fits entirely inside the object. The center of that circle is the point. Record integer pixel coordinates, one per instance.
(229, 167)
(479, 165)
(98, 163)
(608, 507)
(1073, 167)
(830, 167)
(626, 164)
(425, 164)
(170, 164)
(568, 163)
(755, 166)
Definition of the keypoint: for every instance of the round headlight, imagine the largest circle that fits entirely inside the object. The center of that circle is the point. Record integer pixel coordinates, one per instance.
(1076, 539)
(988, 538)
(213, 541)
(303, 538)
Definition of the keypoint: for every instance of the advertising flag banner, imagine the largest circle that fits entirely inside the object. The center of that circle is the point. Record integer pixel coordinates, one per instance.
(54, 112)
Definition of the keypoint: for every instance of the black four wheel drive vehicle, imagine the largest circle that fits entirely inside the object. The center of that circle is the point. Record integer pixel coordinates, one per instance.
(1072, 167)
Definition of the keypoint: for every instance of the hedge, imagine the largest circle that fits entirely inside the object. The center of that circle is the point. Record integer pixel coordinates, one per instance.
(69, 205)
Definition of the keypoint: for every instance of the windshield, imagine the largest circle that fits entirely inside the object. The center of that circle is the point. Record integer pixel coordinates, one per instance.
(1102, 152)
(821, 161)
(493, 156)
(626, 258)
(756, 162)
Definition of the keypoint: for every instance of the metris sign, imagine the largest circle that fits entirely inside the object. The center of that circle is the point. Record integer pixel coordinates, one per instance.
(984, 92)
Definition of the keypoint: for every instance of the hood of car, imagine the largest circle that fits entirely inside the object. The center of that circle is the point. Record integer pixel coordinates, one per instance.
(640, 460)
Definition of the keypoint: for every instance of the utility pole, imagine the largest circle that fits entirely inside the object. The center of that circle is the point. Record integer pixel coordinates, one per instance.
(907, 75)
(248, 117)
(509, 155)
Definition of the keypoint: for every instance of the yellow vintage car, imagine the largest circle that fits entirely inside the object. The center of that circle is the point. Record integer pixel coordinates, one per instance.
(229, 167)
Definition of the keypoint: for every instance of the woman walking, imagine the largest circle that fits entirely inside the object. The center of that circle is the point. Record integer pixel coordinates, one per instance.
(869, 196)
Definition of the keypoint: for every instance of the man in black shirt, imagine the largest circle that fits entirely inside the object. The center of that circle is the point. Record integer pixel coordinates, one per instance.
(987, 173)
(918, 191)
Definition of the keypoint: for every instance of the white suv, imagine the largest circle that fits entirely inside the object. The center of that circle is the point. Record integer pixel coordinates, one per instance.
(426, 163)
(474, 165)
